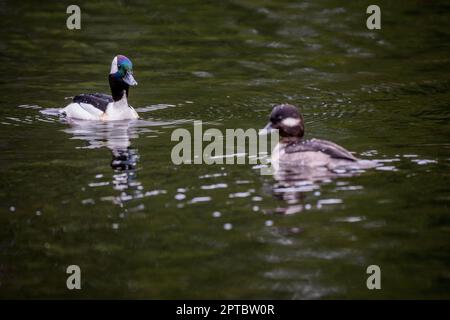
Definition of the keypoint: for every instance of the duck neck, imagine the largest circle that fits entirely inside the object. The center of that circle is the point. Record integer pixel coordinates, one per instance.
(119, 88)
(289, 140)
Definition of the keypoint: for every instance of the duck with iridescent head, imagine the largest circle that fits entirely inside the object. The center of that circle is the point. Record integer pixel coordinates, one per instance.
(100, 106)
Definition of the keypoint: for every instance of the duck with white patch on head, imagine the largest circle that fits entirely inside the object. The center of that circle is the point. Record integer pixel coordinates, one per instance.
(99, 106)
(293, 151)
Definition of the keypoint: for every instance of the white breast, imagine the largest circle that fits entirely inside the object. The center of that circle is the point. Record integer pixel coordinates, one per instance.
(120, 110)
(114, 113)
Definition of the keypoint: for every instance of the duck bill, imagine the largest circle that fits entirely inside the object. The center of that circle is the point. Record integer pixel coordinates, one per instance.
(266, 130)
(129, 79)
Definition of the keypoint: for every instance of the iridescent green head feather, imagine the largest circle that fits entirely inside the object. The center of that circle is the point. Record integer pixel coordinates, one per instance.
(122, 67)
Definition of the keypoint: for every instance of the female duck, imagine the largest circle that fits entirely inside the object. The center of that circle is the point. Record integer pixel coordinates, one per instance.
(292, 151)
(99, 106)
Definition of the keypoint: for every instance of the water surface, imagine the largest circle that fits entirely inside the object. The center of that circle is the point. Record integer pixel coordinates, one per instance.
(108, 198)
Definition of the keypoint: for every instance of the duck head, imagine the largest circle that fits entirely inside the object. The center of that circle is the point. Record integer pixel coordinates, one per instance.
(288, 120)
(121, 76)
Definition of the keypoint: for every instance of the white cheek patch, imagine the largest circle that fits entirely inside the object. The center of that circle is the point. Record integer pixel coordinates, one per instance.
(114, 68)
(290, 122)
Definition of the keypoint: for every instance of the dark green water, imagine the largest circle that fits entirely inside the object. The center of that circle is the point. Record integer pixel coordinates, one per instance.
(383, 94)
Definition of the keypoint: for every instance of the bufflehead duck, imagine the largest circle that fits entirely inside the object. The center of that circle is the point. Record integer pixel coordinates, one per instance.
(294, 152)
(99, 106)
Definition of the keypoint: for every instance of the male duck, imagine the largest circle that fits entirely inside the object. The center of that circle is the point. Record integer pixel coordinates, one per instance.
(293, 152)
(99, 106)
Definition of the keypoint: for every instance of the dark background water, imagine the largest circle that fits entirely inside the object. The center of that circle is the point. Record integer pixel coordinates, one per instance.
(150, 231)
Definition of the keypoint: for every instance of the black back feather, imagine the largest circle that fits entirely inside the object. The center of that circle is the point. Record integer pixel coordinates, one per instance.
(98, 100)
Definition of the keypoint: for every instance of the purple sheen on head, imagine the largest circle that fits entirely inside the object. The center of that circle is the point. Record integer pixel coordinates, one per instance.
(124, 64)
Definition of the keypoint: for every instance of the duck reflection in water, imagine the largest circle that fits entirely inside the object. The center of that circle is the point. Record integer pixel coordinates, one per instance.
(116, 136)
(295, 186)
